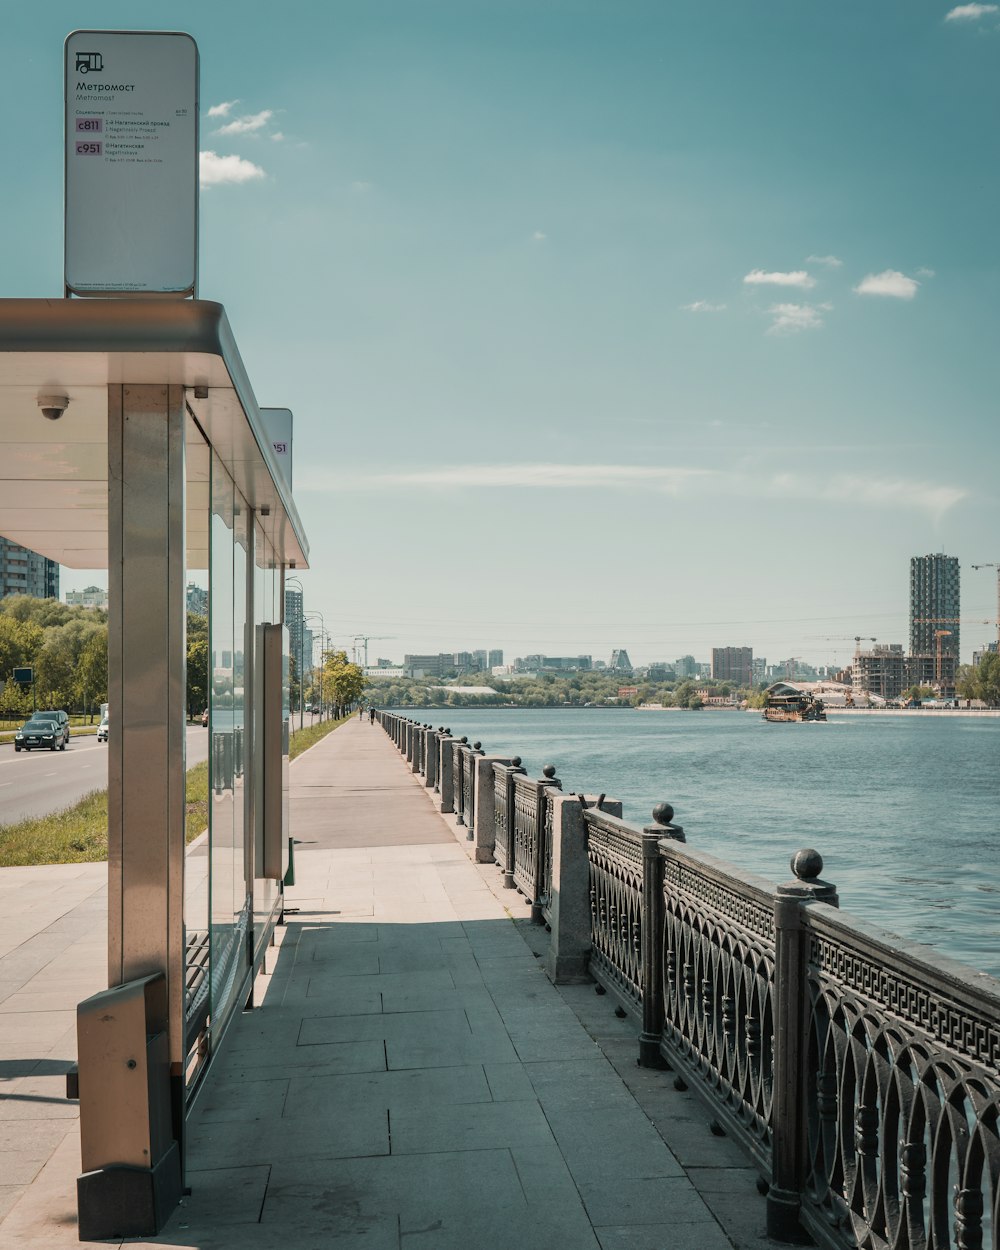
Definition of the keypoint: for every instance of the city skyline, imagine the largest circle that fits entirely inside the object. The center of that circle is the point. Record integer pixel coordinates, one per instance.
(602, 326)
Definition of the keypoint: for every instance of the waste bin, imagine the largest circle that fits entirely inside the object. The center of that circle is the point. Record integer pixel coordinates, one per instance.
(132, 1176)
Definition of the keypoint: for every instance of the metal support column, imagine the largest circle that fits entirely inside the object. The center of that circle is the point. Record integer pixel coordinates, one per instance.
(146, 693)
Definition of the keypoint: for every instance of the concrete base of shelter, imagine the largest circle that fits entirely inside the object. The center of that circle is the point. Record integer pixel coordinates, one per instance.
(412, 1077)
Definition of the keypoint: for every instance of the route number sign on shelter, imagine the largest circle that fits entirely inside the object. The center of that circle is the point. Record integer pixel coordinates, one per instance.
(131, 160)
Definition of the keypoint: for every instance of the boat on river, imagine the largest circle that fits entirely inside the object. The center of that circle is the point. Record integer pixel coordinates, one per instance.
(786, 702)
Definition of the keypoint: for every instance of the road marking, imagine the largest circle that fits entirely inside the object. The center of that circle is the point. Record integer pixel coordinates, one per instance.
(5, 783)
(50, 774)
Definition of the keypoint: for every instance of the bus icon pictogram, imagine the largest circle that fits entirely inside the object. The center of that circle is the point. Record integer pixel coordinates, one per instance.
(89, 62)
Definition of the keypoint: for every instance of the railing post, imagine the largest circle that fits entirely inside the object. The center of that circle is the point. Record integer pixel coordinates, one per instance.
(442, 733)
(431, 759)
(652, 932)
(446, 770)
(469, 805)
(417, 740)
(789, 1144)
(569, 906)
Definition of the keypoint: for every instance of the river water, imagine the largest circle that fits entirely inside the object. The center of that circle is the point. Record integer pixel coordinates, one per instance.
(904, 810)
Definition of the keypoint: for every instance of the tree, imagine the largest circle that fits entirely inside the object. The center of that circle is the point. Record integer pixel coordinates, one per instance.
(90, 685)
(343, 682)
(197, 675)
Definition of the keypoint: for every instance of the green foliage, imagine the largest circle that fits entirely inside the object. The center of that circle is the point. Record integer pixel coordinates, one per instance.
(593, 689)
(197, 675)
(981, 681)
(343, 682)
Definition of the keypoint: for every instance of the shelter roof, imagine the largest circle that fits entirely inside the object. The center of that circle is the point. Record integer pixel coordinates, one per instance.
(53, 474)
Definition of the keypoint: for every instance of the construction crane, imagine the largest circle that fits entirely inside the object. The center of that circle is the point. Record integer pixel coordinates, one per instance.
(366, 639)
(938, 635)
(996, 566)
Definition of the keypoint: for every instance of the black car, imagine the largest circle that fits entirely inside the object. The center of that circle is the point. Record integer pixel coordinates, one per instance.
(39, 732)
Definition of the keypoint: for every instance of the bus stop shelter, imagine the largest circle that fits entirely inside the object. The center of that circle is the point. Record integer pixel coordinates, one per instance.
(130, 439)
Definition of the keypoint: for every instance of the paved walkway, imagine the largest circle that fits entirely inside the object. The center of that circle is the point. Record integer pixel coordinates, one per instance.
(412, 1079)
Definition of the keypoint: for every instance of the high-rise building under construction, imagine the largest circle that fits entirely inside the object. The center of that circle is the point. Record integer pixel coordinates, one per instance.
(935, 607)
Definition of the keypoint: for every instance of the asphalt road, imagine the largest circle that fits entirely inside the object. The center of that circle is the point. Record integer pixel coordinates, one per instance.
(33, 783)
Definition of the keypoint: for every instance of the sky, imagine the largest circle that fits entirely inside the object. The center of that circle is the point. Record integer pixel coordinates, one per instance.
(661, 325)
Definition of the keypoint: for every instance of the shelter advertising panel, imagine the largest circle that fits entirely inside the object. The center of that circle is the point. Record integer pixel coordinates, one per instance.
(131, 159)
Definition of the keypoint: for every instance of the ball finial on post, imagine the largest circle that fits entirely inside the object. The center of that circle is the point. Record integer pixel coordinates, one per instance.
(807, 864)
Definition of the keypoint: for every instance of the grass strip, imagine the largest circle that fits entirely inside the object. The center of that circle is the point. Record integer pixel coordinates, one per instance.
(79, 834)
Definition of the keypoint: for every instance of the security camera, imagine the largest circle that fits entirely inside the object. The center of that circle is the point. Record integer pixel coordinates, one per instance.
(53, 406)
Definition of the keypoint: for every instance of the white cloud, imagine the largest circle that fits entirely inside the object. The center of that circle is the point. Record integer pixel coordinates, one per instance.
(361, 187)
(249, 124)
(831, 262)
(223, 109)
(924, 272)
(970, 12)
(217, 170)
(848, 490)
(896, 494)
(277, 137)
(548, 475)
(790, 318)
(703, 305)
(889, 282)
(539, 237)
(797, 277)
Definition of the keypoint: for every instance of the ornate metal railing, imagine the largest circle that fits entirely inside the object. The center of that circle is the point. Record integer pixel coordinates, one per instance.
(458, 782)
(503, 817)
(904, 1082)
(718, 964)
(862, 1078)
(526, 804)
(469, 786)
(614, 852)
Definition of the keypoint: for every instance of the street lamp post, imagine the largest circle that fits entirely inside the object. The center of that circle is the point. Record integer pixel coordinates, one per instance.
(323, 634)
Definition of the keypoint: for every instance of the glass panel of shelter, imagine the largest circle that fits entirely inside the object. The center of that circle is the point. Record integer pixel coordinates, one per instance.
(198, 469)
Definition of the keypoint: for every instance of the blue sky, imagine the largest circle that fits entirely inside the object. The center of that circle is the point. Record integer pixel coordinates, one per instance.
(656, 325)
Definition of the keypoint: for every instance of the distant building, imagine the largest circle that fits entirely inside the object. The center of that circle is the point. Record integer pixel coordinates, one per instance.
(758, 670)
(619, 662)
(197, 599)
(439, 665)
(294, 621)
(880, 671)
(25, 572)
(685, 667)
(935, 606)
(495, 658)
(89, 597)
(733, 664)
(977, 656)
(660, 671)
(557, 663)
(308, 649)
(384, 670)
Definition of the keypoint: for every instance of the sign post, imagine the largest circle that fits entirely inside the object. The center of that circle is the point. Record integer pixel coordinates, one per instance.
(131, 154)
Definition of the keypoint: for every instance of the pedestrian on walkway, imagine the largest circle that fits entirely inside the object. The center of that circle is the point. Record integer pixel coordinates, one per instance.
(371, 716)
(361, 712)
